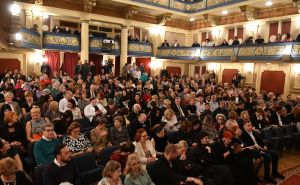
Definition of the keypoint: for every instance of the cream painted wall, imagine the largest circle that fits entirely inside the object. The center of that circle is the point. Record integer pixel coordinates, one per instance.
(171, 37)
(180, 64)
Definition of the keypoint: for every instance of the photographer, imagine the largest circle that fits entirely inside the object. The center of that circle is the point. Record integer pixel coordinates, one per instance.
(237, 78)
(108, 66)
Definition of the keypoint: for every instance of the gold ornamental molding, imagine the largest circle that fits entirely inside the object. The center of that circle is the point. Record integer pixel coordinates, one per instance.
(88, 5)
(163, 19)
(130, 11)
(249, 12)
(212, 20)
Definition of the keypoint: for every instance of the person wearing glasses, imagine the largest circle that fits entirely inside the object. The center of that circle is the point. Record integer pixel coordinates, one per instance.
(43, 149)
(134, 172)
(76, 141)
(144, 147)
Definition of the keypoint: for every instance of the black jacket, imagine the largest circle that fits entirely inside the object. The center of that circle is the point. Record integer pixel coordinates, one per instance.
(163, 173)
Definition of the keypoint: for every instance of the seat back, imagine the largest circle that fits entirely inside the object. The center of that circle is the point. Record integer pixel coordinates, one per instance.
(289, 130)
(106, 153)
(38, 174)
(84, 123)
(85, 162)
(267, 133)
(173, 137)
(278, 131)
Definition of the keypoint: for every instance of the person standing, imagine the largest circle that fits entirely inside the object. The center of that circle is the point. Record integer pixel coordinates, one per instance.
(78, 68)
(85, 69)
(46, 69)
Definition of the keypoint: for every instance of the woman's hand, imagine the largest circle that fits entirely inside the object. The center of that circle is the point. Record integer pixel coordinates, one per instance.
(151, 159)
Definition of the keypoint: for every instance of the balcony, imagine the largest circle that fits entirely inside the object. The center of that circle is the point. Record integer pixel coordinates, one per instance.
(29, 39)
(61, 41)
(104, 46)
(188, 7)
(289, 51)
(140, 49)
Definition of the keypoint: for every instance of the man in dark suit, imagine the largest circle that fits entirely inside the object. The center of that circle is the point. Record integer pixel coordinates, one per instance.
(178, 109)
(163, 171)
(252, 139)
(276, 117)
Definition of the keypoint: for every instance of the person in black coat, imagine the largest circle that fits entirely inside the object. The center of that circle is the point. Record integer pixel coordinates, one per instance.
(252, 138)
(164, 172)
(92, 69)
(204, 160)
(85, 70)
(46, 69)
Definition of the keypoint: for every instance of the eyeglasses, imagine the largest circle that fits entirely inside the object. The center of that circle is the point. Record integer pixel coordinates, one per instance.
(49, 130)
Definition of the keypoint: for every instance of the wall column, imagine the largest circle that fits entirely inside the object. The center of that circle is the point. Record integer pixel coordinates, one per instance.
(84, 53)
(124, 47)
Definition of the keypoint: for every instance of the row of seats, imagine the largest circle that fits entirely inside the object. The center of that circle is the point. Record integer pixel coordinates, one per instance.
(281, 137)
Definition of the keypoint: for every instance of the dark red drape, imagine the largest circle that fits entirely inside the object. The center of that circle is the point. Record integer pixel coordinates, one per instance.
(273, 29)
(231, 33)
(117, 66)
(53, 60)
(70, 61)
(97, 59)
(146, 62)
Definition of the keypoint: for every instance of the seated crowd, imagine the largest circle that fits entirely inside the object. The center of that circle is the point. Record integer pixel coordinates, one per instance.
(169, 129)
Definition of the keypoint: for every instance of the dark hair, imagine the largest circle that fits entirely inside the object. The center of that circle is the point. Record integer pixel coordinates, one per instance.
(202, 135)
(1, 143)
(128, 147)
(72, 102)
(158, 129)
(58, 148)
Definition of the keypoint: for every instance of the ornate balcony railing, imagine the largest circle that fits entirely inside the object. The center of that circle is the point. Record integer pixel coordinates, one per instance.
(61, 41)
(140, 49)
(288, 51)
(189, 6)
(30, 39)
(104, 46)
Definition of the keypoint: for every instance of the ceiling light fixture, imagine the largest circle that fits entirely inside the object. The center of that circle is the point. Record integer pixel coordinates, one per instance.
(192, 19)
(225, 12)
(18, 36)
(269, 3)
(15, 9)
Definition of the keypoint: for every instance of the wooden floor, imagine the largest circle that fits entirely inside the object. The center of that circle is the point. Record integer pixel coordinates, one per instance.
(288, 161)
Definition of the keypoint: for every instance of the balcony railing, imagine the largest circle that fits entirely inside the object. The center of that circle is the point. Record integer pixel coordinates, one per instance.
(288, 51)
(104, 46)
(140, 49)
(29, 39)
(61, 41)
(188, 6)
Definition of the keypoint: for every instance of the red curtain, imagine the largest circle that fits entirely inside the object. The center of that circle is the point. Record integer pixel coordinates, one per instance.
(53, 60)
(273, 29)
(228, 74)
(117, 66)
(231, 34)
(70, 61)
(146, 62)
(286, 27)
(240, 33)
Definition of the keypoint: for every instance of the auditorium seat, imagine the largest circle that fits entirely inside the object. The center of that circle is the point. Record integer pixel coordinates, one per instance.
(270, 140)
(38, 174)
(106, 153)
(285, 140)
(89, 172)
(85, 124)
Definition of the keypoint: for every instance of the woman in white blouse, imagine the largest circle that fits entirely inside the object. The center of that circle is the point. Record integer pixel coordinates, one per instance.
(144, 147)
(171, 121)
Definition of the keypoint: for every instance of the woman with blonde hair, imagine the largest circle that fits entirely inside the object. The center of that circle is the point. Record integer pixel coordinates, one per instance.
(111, 174)
(171, 121)
(34, 127)
(134, 172)
(9, 173)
